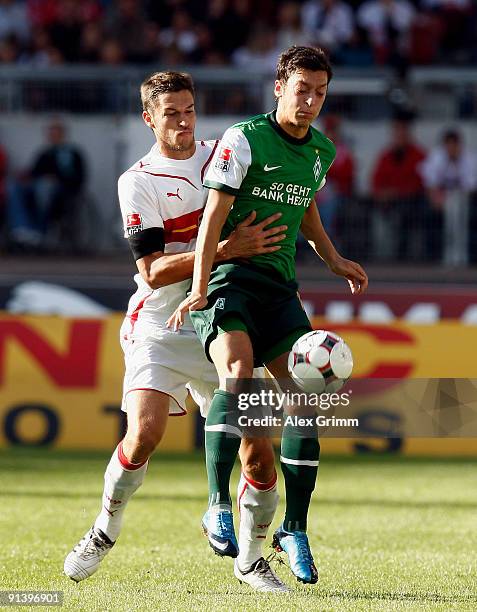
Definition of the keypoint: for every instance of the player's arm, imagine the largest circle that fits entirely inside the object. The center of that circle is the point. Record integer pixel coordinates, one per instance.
(313, 230)
(216, 211)
(159, 269)
(217, 208)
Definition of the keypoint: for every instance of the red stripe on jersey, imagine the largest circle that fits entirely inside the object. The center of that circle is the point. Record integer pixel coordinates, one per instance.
(204, 167)
(182, 178)
(183, 228)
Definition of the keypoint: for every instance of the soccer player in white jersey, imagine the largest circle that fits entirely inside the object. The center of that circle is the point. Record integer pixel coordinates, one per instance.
(162, 199)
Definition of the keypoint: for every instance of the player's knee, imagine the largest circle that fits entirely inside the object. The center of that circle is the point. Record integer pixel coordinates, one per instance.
(259, 462)
(140, 445)
(239, 368)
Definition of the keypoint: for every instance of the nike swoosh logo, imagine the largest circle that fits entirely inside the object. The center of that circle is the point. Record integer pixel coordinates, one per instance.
(220, 545)
(267, 168)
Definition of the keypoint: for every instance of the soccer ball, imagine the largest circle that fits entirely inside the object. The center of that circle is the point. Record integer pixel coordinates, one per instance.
(320, 361)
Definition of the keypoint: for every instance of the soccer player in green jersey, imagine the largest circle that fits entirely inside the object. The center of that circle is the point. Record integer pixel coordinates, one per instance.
(249, 312)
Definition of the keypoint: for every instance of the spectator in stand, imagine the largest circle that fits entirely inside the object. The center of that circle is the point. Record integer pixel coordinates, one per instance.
(455, 19)
(65, 31)
(127, 24)
(399, 213)
(229, 24)
(358, 52)
(92, 38)
(47, 194)
(388, 23)
(289, 28)
(340, 178)
(111, 52)
(41, 52)
(328, 23)
(14, 20)
(450, 176)
(181, 36)
(42, 13)
(9, 50)
(260, 52)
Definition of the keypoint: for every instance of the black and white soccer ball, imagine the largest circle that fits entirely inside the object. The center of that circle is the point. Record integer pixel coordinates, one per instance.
(320, 361)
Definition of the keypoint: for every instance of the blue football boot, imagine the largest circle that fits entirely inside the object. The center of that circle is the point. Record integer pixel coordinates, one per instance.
(218, 526)
(295, 544)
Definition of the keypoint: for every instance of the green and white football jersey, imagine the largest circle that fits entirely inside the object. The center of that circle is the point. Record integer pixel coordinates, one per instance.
(269, 171)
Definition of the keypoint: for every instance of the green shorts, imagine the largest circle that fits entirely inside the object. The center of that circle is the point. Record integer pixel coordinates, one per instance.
(245, 297)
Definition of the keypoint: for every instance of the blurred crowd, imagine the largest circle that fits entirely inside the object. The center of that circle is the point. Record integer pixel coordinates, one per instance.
(419, 205)
(244, 33)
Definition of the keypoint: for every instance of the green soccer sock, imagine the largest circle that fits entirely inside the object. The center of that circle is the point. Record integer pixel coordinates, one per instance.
(222, 442)
(299, 461)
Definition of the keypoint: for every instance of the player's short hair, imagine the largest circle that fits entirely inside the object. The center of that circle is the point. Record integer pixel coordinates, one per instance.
(306, 58)
(164, 82)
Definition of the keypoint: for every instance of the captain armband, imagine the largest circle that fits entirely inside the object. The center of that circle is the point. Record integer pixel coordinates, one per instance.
(147, 241)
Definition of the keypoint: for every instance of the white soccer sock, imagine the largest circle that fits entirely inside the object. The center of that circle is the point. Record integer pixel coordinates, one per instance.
(121, 480)
(257, 503)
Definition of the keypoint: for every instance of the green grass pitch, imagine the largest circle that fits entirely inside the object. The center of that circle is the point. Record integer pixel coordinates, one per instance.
(387, 533)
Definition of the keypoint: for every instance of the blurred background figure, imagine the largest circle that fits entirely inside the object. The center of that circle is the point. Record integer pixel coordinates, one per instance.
(399, 207)
(14, 21)
(260, 51)
(450, 177)
(328, 23)
(388, 23)
(43, 201)
(126, 23)
(290, 30)
(336, 195)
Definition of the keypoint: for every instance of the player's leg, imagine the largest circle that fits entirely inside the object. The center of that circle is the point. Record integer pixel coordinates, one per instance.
(257, 496)
(232, 354)
(299, 459)
(257, 501)
(147, 412)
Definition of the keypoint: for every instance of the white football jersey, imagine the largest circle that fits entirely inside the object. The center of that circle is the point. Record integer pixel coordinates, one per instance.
(168, 193)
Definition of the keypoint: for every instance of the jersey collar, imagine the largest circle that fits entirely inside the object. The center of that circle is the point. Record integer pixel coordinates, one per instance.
(272, 118)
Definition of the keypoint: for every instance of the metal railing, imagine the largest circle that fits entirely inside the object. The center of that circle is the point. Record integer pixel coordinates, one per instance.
(355, 94)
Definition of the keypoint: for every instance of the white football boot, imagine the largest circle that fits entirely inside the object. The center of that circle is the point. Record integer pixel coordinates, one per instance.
(261, 577)
(86, 556)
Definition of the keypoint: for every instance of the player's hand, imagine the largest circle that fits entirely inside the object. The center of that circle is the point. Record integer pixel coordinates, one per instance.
(247, 239)
(194, 301)
(352, 271)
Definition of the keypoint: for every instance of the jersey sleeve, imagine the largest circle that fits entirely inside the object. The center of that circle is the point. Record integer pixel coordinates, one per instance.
(230, 163)
(138, 202)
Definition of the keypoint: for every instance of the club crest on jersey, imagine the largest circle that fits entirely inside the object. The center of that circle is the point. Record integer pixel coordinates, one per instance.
(223, 159)
(317, 168)
(133, 224)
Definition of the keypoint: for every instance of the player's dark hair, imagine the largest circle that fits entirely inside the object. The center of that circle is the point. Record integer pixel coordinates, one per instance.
(164, 82)
(305, 58)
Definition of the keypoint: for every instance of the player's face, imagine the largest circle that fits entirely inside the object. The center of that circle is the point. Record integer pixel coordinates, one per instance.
(173, 121)
(300, 99)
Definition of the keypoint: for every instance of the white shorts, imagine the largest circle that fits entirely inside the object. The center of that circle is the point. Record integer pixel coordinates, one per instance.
(171, 362)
